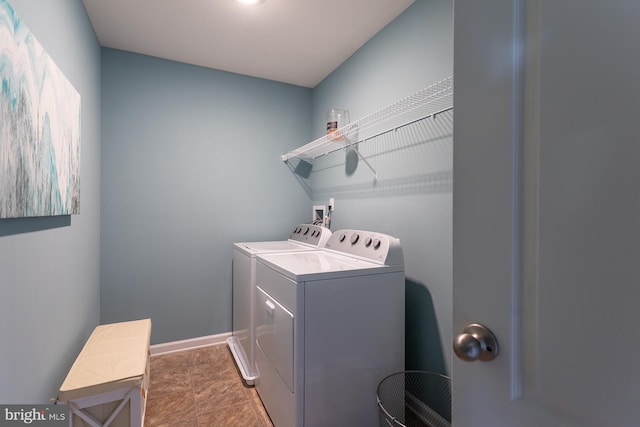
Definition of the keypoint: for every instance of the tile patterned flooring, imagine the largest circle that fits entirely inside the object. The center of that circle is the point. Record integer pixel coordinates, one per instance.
(201, 388)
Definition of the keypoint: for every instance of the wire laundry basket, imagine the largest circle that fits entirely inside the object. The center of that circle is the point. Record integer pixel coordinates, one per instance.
(415, 399)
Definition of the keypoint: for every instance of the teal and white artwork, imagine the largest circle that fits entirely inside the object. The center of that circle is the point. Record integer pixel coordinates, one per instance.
(39, 127)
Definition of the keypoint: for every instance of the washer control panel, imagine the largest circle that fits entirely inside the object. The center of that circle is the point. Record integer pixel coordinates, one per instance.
(369, 245)
(314, 235)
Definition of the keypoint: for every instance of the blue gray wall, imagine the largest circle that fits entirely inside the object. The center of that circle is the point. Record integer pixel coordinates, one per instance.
(412, 198)
(190, 164)
(49, 267)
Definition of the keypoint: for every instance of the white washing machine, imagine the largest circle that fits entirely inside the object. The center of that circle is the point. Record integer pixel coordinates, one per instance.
(304, 237)
(329, 328)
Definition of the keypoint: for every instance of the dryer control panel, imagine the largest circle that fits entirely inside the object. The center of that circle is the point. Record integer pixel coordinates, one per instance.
(314, 235)
(369, 245)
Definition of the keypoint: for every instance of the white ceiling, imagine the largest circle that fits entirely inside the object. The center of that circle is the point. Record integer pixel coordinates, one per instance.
(292, 41)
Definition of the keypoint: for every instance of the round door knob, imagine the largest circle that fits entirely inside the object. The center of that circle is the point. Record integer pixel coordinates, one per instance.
(476, 342)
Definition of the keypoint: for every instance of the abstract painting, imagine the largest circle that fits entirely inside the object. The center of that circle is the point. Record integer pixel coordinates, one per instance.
(39, 127)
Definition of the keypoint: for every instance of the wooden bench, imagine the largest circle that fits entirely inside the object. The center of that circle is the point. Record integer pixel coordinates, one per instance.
(108, 382)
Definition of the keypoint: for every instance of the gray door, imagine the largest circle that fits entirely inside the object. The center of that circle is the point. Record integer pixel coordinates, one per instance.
(547, 211)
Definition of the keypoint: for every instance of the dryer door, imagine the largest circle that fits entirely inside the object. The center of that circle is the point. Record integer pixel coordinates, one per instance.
(274, 334)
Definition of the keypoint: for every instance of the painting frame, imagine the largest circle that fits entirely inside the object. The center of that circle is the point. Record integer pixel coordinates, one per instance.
(40, 132)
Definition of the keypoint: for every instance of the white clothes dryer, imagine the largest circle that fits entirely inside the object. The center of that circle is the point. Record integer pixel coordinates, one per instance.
(304, 237)
(329, 328)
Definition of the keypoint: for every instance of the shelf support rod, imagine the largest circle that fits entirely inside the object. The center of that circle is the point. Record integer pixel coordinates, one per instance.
(361, 157)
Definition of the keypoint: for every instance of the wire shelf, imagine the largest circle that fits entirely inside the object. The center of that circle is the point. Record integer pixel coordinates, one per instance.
(427, 102)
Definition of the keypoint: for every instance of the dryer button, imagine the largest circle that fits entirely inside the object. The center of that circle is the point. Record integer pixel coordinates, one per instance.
(376, 244)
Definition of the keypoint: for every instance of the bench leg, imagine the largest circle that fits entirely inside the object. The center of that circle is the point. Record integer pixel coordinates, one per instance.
(133, 397)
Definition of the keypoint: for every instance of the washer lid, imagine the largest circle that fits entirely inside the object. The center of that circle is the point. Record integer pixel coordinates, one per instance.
(252, 248)
(304, 237)
(321, 265)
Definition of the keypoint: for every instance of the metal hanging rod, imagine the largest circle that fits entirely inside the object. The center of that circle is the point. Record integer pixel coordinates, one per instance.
(428, 102)
(432, 115)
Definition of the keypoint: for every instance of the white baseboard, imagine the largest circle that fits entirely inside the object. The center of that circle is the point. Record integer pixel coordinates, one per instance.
(189, 344)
